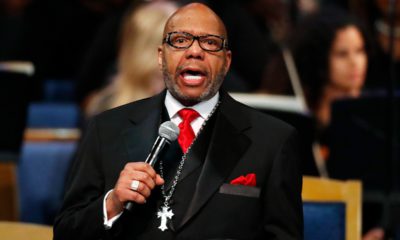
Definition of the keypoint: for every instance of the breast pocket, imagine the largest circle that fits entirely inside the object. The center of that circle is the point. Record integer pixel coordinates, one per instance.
(237, 209)
(240, 190)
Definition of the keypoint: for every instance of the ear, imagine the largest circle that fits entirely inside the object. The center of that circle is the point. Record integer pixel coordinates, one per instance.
(160, 57)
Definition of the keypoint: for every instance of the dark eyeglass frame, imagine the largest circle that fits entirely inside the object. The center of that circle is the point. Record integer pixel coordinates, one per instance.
(224, 45)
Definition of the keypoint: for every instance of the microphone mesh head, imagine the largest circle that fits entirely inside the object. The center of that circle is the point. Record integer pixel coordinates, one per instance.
(169, 131)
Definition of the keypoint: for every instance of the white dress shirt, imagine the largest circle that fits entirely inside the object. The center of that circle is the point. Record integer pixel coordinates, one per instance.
(173, 106)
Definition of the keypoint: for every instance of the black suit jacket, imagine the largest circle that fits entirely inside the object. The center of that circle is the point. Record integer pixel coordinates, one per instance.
(243, 141)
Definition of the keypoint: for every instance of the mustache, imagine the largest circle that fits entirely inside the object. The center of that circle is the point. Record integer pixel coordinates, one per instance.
(182, 68)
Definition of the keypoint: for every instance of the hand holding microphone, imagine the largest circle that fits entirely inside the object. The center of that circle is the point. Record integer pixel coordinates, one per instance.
(137, 179)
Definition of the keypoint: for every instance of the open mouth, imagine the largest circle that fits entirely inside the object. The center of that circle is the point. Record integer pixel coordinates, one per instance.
(193, 77)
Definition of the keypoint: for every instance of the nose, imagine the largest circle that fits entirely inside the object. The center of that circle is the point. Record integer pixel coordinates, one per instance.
(195, 51)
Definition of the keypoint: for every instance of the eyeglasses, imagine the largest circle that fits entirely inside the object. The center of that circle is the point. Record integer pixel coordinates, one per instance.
(184, 40)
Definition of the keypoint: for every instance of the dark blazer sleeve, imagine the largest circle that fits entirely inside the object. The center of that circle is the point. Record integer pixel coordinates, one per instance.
(283, 211)
(81, 216)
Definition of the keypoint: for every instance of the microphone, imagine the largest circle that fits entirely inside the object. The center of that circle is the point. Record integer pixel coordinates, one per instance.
(167, 133)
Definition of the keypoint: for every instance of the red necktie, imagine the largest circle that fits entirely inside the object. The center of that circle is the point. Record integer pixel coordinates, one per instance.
(186, 134)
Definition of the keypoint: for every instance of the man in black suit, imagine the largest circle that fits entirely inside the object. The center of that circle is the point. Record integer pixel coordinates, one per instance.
(239, 178)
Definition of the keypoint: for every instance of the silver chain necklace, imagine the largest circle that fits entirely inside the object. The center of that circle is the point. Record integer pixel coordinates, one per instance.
(165, 212)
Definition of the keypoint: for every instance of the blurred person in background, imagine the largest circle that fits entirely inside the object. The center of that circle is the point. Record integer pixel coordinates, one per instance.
(138, 75)
(100, 58)
(331, 50)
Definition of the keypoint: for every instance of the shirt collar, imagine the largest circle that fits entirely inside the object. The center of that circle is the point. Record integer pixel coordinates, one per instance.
(204, 108)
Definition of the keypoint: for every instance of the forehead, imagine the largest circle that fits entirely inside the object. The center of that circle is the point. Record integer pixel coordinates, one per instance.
(348, 32)
(196, 21)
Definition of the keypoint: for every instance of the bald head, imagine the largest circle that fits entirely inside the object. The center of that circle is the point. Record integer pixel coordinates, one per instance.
(197, 14)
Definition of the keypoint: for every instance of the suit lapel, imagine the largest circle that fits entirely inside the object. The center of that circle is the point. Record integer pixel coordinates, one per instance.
(228, 144)
(140, 137)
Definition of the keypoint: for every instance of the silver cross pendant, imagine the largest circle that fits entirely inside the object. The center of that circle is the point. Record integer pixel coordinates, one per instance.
(164, 213)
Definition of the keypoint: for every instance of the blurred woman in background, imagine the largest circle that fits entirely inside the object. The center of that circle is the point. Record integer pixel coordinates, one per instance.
(138, 75)
(330, 51)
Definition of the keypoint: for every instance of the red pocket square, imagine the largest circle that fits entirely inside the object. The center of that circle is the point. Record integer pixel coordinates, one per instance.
(248, 180)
